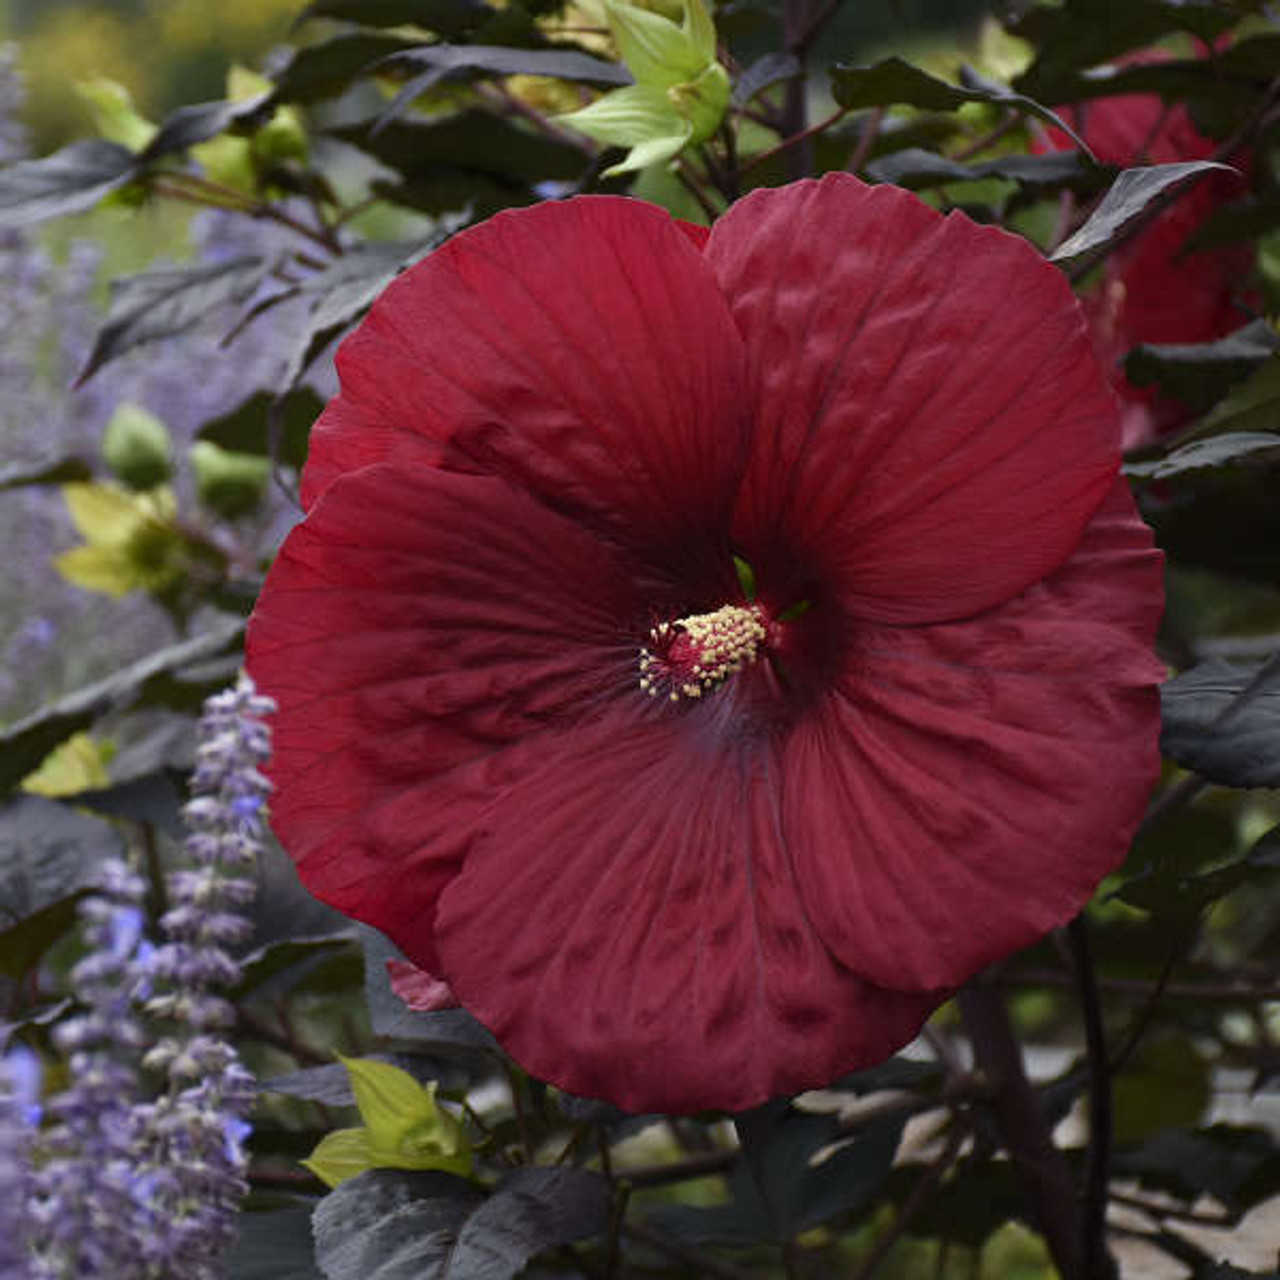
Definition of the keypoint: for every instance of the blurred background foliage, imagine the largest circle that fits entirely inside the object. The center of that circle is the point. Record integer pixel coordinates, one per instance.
(189, 44)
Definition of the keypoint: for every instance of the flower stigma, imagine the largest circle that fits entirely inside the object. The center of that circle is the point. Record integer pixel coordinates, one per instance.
(693, 655)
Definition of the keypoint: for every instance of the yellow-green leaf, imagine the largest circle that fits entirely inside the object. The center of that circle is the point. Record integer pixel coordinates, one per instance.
(105, 569)
(391, 1101)
(406, 1127)
(340, 1155)
(79, 764)
(114, 115)
(102, 513)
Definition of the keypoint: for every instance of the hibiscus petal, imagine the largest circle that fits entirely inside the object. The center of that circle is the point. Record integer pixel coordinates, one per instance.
(421, 631)
(932, 430)
(630, 928)
(968, 784)
(579, 349)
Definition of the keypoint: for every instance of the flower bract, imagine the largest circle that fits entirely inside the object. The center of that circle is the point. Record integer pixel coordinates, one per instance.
(704, 651)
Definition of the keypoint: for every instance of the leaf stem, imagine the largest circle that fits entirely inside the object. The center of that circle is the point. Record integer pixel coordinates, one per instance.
(1098, 1170)
(1045, 1176)
(795, 138)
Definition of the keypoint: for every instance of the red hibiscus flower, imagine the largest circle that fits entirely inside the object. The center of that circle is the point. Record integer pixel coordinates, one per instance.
(1152, 290)
(680, 840)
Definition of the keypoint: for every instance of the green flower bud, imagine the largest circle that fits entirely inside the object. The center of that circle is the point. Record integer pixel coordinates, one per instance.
(137, 448)
(702, 101)
(232, 484)
(681, 92)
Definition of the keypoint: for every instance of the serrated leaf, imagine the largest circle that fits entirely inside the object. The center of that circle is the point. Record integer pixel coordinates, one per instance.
(1134, 194)
(25, 744)
(532, 1210)
(168, 302)
(1223, 722)
(1199, 374)
(321, 70)
(68, 181)
(892, 80)
(49, 852)
(1217, 451)
(200, 121)
(428, 1226)
(448, 17)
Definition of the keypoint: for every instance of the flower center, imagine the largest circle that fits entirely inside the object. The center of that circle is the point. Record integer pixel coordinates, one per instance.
(690, 656)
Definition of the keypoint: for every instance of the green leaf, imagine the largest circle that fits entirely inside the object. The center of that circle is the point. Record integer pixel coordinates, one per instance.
(406, 1126)
(1223, 722)
(49, 852)
(1217, 451)
(892, 80)
(1134, 194)
(164, 303)
(1199, 374)
(69, 181)
(1166, 1084)
(25, 744)
(452, 18)
(428, 1226)
(273, 1246)
(322, 70)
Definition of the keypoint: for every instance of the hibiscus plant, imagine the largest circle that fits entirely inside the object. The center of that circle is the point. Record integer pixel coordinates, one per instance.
(748, 580)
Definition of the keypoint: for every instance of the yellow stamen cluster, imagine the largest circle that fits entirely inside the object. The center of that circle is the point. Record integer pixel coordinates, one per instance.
(697, 653)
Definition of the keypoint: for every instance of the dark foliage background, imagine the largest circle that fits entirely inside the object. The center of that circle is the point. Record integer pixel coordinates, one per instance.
(1112, 1087)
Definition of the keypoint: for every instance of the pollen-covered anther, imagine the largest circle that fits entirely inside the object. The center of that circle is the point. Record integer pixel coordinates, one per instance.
(692, 655)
